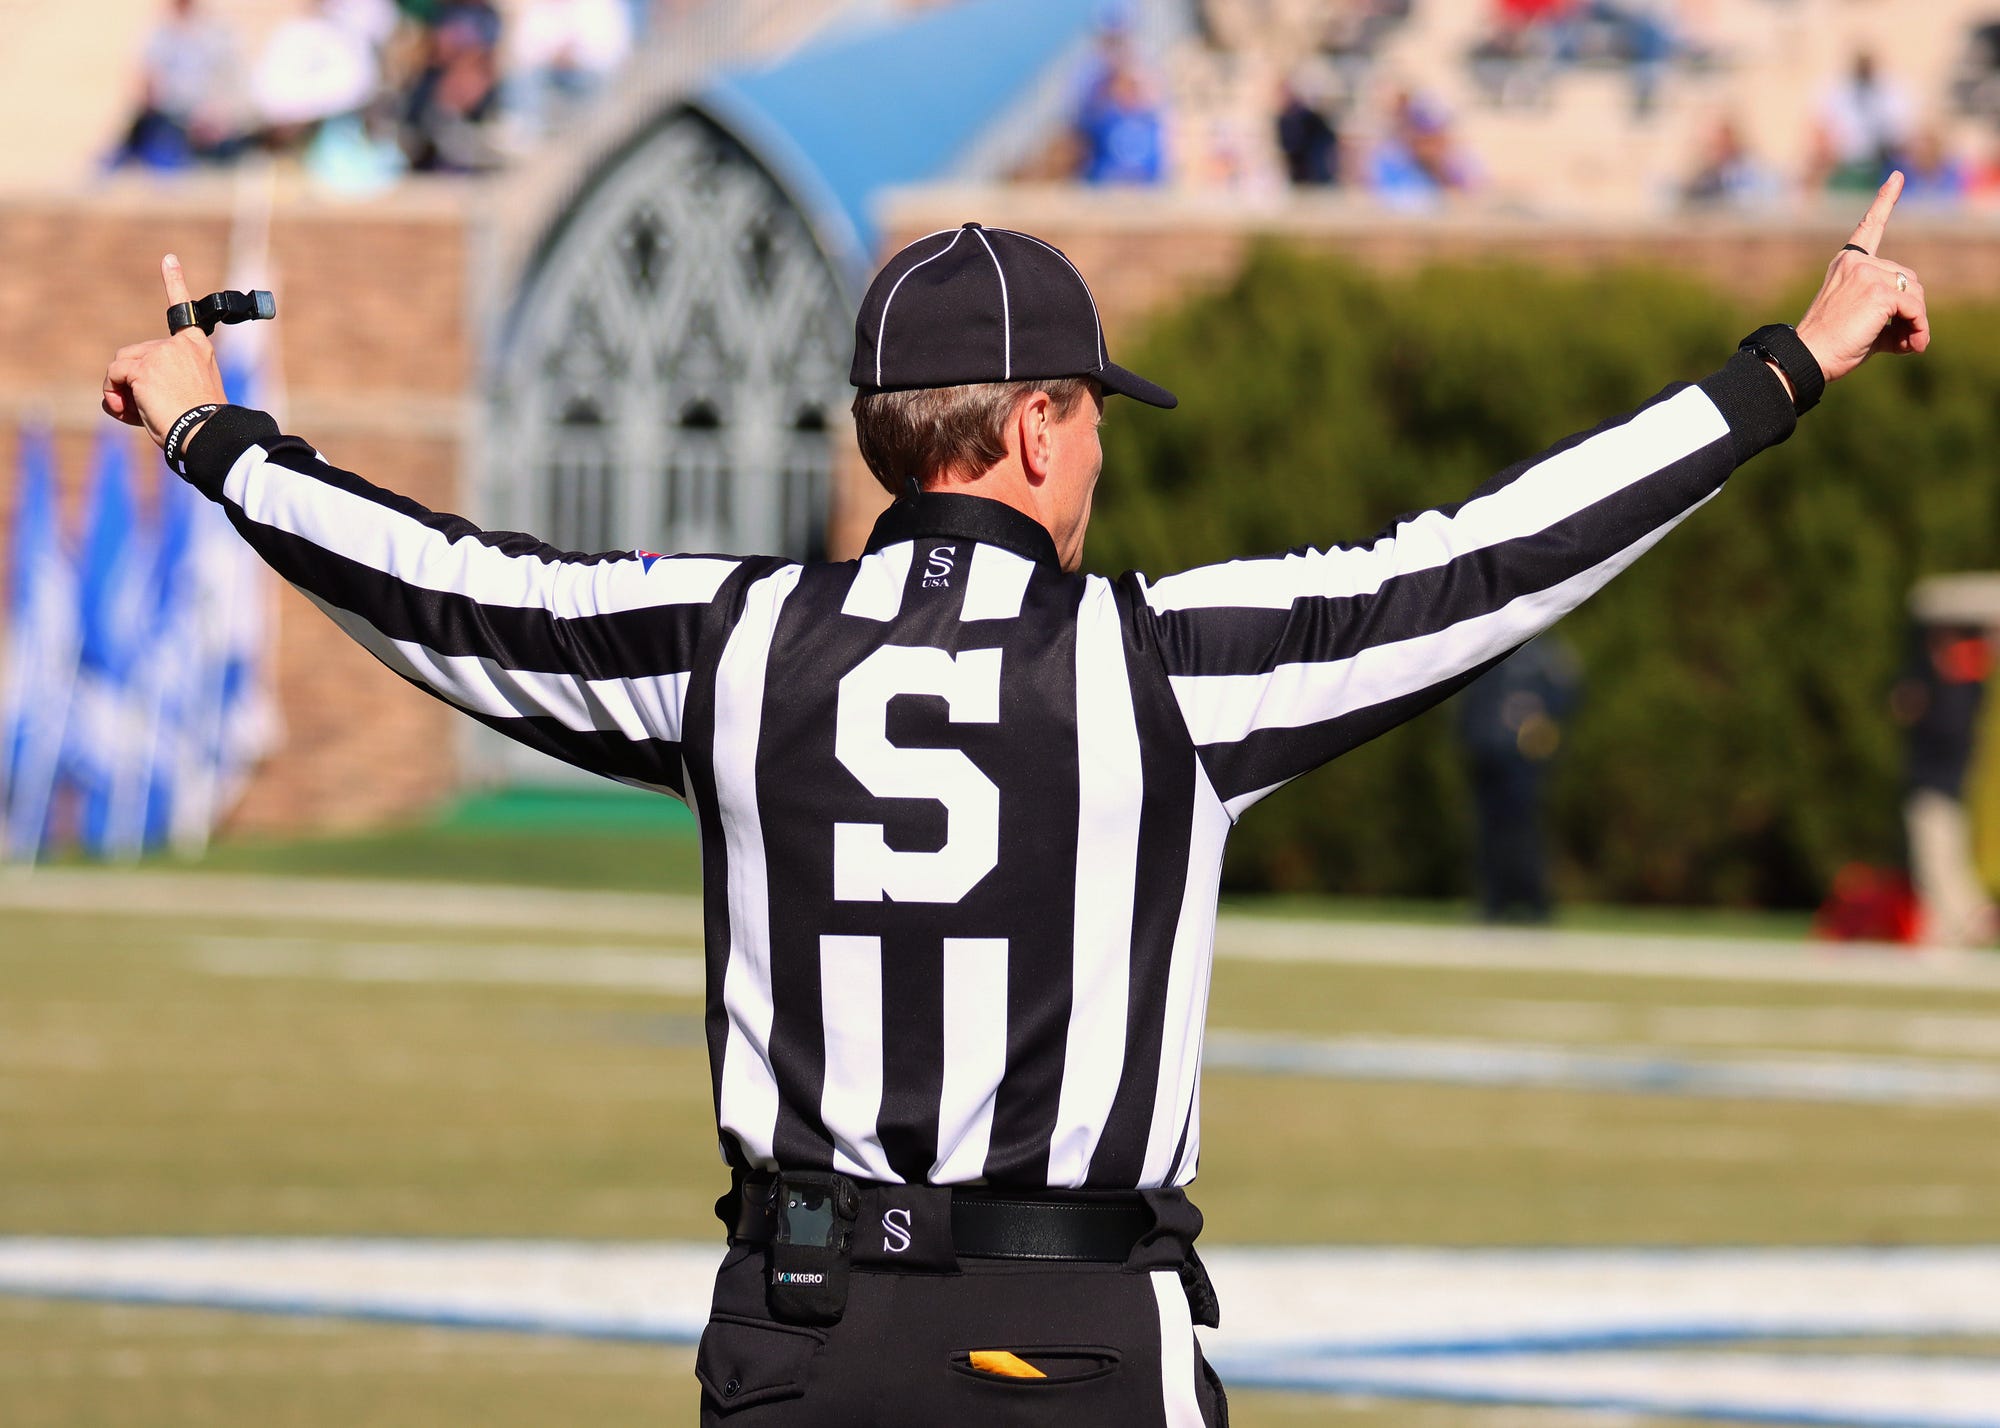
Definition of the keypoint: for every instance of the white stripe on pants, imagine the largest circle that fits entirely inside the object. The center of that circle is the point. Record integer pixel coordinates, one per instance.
(1177, 1369)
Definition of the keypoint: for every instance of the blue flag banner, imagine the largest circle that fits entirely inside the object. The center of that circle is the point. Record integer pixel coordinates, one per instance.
(105, 751)
(42, 650)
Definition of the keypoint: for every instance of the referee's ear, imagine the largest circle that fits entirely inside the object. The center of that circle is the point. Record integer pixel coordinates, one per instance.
(1033, 437)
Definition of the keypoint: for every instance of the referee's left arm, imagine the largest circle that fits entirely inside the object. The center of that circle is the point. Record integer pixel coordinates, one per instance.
(1282, 663)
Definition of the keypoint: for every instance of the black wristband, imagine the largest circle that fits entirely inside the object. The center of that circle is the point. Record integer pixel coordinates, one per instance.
(177, 433)
(1779, 345)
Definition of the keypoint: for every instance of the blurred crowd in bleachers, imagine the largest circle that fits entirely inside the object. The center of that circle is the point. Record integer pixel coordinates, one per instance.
(1341, 111)
(1410, 102)
(365, 90)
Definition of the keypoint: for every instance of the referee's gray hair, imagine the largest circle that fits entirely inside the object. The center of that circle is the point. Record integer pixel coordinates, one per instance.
(929, 432)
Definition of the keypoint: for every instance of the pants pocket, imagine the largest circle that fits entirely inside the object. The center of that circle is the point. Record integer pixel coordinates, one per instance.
(744, 1362)
(1061, 1365)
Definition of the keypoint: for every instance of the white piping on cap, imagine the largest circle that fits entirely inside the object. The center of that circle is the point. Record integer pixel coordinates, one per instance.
(1103, 359)
(882, 327)
(1006, 313)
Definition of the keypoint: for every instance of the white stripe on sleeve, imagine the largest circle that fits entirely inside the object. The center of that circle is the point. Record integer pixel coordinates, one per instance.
(377, 536)
(1224, 708)
(637, 709)
(1566, 483)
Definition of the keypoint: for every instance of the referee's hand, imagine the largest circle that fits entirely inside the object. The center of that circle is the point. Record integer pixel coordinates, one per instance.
(149, 384)
(1860, 310)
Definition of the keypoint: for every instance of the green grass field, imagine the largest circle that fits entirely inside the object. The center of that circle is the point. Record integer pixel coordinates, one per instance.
(179, 1056)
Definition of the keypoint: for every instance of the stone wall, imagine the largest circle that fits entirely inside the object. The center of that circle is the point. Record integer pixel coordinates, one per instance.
(377, 356)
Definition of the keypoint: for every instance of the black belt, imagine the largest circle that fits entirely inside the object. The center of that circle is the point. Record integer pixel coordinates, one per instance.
(988, 1224)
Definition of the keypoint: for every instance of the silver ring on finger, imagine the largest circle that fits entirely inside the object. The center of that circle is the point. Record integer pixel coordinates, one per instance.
(1902, 282)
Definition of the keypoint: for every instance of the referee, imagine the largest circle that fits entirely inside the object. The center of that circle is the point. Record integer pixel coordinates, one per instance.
(962, 808)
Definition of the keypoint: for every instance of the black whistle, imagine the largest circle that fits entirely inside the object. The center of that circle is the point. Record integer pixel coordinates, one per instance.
(219, 308)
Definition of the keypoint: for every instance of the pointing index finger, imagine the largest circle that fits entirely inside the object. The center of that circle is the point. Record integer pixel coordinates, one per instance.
(176, 280)
(1868, 235)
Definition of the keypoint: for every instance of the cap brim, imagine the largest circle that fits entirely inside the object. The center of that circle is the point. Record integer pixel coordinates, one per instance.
(1130, 384)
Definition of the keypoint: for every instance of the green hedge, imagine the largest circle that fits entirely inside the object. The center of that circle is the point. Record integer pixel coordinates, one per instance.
(1733, 746)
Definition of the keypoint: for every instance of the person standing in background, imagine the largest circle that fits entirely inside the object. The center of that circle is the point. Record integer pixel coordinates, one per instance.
(1938, 703)
(1510, 721)
(191, 96)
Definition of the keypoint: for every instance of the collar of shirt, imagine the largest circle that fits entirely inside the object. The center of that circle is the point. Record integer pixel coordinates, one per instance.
(975, 518)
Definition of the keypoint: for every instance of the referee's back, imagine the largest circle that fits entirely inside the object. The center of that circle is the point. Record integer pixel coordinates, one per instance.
(968, 859)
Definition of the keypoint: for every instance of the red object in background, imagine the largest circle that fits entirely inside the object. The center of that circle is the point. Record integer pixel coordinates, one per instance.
(1867, 904)
(1526, 12)
(1966, 660)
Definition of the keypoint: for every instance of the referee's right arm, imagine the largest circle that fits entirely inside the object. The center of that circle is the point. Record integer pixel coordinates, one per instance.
(585, 657)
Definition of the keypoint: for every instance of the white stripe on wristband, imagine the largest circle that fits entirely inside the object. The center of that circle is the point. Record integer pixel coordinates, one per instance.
(177, 433)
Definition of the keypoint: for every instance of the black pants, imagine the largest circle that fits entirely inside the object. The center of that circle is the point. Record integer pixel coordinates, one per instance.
(1115, 1342)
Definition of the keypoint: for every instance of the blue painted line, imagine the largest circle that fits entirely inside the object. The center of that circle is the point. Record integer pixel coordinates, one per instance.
(625, 1331)
(1853, 1080)
(1665, 1336)
(1242, 1375)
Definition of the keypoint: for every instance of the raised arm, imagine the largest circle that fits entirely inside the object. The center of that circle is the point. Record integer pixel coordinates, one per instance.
(586, 657)
(1281, 663)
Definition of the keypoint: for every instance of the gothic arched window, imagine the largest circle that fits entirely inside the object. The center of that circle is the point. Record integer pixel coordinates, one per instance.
(665, 376)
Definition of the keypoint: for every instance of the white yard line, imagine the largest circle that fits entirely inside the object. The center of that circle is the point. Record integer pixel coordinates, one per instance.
(1605, 1328)
(613, 968)
(1933, 1031)
(229, 897)
(678, 919)
(1600, 954)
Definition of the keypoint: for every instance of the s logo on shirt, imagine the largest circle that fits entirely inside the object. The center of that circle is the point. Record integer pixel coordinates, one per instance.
(938, 567)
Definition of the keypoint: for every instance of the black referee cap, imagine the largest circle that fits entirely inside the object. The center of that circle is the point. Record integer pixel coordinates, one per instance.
(977, 304)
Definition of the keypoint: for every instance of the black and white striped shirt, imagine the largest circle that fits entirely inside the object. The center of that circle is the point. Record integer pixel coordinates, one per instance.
(962, 814)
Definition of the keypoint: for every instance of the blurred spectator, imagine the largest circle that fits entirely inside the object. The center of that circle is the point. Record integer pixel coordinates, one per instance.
(1932, 175)
(449, 113)
(1975, 85)
(1308, 140)
(1417, 161)
(1730, 176)
(564, 51)
(313, 68)
(1864, 125)
(1120, 127)
(190, 93)
(1510, 724)
(1938, 703)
